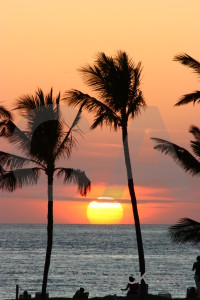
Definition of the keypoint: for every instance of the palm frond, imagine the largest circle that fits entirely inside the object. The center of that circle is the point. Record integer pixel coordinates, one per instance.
(192, 97)
(68, 142)
(57, 101)
(39, 106)
(134, 107)
(2, 128)
(19, 138)
(136, 80)
(12, 161)
(103, 117)
(196, 132)
(10, 181)
(188, 61)
(180, 155)
(15, 135)
(77, 119)
(97, 76)
(5, 114)
(2, 171)
(49, 98)
(77, 177)
(91, 104)
(195, 147)
(123, 61)
(76, 98)
(26, 103)
(185, 231)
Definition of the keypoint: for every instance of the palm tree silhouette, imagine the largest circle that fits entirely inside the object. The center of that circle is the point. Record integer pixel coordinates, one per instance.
(45, 141)
(186, 230)
(117, 84)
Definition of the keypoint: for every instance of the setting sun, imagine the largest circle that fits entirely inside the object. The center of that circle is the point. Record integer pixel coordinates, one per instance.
(104, 212)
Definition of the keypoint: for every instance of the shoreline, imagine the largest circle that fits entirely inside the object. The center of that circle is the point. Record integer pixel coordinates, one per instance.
(115, 297)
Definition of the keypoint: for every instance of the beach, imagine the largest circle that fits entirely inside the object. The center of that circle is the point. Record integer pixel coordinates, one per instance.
(114, 297)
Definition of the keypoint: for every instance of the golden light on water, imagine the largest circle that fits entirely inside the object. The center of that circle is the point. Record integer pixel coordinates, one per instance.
(104, 212)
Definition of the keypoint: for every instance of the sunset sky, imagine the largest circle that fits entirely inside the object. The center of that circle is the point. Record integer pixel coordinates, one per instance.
(43, 43)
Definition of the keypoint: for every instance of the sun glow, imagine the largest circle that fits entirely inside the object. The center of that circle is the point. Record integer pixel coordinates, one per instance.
(104, 212)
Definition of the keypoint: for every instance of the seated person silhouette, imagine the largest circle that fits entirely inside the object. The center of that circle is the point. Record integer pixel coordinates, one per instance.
(80, 295)
(131, 287)
(191, 293)
(25, 296)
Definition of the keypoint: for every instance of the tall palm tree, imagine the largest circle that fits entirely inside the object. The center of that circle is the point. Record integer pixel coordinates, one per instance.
(117, 84)
(45, 141)
(190, 62)
(186, 230)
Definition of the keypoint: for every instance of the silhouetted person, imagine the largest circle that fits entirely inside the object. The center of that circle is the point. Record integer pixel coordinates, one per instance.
(131, 287)
(80, 294)
(196, 268)
(191, 292)
(25, 294)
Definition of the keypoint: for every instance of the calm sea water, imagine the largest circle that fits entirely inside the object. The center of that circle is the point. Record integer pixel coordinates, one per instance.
(99, 258)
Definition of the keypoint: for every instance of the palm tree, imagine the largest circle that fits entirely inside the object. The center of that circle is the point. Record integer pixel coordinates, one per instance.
(45, 141)
(117, 84)
(190, 62)
(186, 230)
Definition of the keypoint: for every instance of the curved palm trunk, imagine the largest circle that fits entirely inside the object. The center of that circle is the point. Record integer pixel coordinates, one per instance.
(49, 235)
(134, 207)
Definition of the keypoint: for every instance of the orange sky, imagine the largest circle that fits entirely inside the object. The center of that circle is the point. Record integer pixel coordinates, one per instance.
(42, 43)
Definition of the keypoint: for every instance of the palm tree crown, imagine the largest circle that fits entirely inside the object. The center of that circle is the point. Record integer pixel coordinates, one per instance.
(46, 139)
(117, 84)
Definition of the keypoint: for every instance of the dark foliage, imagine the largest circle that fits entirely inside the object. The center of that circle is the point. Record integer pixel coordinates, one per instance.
(190, 62)
(185, 231)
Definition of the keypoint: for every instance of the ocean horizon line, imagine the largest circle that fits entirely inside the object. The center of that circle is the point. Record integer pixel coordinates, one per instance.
(84, 224)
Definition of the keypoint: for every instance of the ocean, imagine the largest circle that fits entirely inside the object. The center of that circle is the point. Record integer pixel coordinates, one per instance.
(99, 258)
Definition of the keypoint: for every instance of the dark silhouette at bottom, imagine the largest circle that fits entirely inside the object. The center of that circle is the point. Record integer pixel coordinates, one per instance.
(81, 294)
(132, 287)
